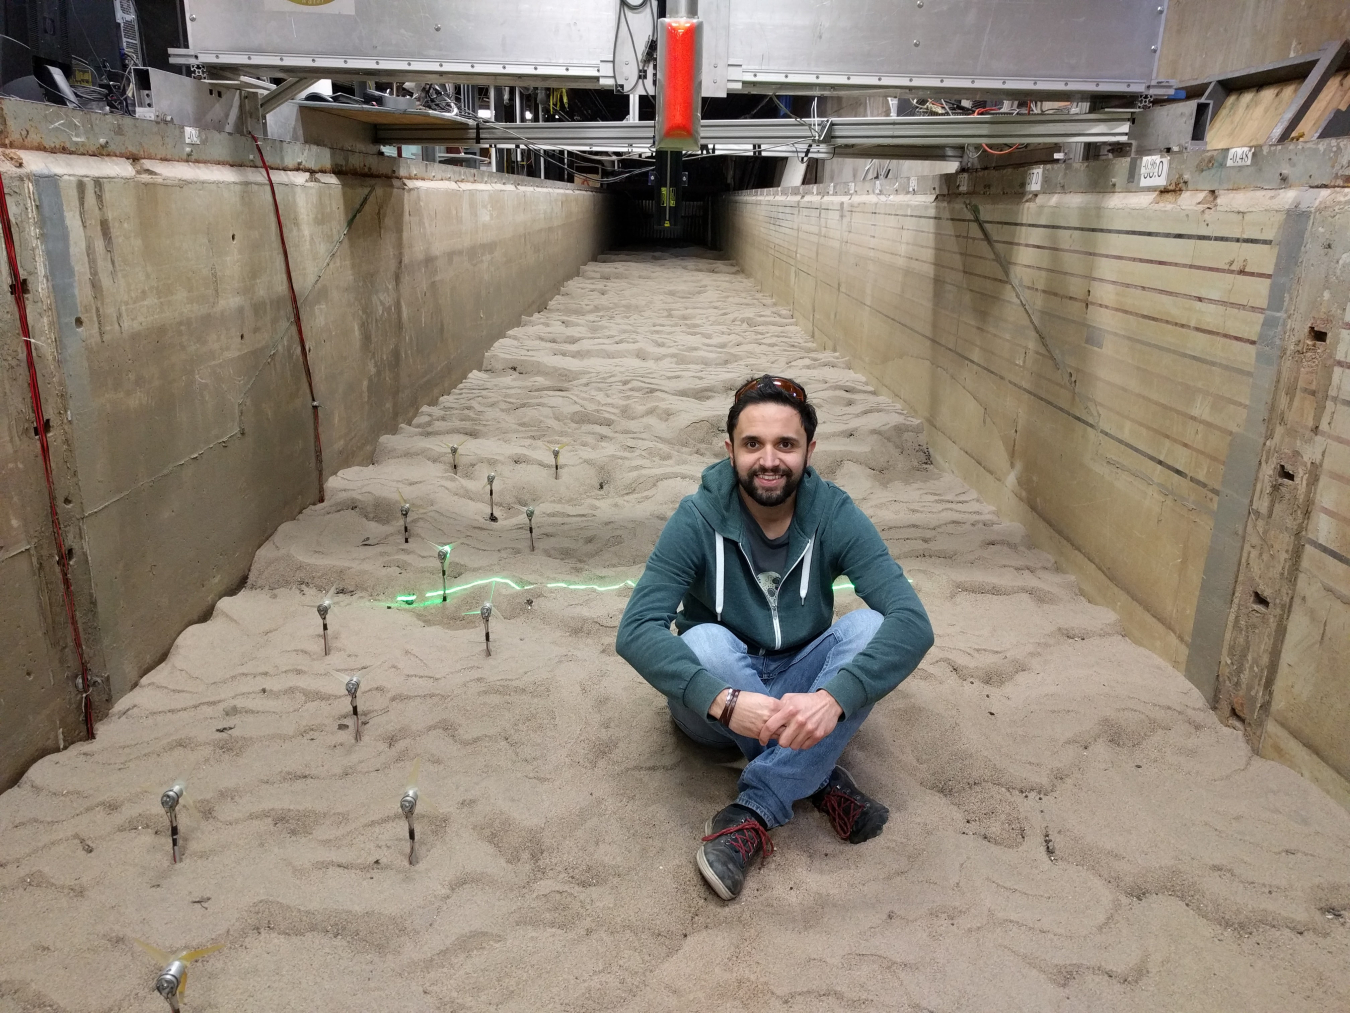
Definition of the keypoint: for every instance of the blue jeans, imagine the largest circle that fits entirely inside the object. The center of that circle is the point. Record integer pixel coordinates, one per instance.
(776, 777)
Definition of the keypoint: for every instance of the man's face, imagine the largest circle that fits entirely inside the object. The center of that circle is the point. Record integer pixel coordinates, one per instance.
(769, 452)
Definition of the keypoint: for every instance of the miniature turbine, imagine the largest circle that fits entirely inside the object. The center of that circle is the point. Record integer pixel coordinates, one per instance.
(443, 554)
(454, 454)
(170, 800)
(486, 613)
(492, 515)
(556, 451)
(529, 516)
(324, 608)
(172, 981)
(403, 508)
(353, 685)
(408, 806)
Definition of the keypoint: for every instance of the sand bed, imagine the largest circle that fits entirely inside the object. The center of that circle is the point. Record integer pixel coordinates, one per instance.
(1072, 830)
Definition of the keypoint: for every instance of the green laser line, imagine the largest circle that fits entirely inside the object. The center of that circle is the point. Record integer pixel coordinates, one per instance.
(594, 587)
(473, 584)
(410, 600)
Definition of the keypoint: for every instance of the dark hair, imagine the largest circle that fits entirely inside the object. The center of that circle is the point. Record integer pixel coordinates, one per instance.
(772, 395)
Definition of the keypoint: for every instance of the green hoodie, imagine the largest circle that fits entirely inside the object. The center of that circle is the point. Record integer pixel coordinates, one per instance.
(703, 560)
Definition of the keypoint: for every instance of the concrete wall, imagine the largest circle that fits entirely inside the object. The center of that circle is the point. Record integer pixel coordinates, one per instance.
(1205, 37)
(1178, 316)
(158, 291)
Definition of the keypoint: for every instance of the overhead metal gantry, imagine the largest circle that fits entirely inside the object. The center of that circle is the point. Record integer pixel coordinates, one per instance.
(989, 48)
(895, 137)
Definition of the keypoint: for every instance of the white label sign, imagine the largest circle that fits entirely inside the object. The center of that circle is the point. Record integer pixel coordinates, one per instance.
(1033, 179)
(1239, 156)
(192, 135)
(962, 183)
(1153, 170)
(913, 184)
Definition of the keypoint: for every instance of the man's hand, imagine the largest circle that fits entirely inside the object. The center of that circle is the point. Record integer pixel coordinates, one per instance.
(799, 720)
(752, 709)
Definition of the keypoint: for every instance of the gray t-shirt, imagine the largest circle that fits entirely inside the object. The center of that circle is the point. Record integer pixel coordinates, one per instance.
(767, 555)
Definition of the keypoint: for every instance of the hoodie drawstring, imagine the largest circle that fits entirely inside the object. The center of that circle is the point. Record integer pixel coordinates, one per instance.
(720, 549)
(806, 568)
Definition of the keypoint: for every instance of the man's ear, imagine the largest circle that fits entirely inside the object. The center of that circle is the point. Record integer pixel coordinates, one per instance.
(728, 446)
(810, 452)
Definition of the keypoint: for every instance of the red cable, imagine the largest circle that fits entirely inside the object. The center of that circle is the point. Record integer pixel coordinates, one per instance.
(994, 109)
(40, 420)
(295, 311)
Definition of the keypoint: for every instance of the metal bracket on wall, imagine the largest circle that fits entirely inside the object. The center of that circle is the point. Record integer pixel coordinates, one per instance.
(1332, 57)
(1313, 69)
(284, 92)
(1050, 349)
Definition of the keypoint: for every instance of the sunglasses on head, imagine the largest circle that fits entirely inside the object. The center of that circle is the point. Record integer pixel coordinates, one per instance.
(768, 383)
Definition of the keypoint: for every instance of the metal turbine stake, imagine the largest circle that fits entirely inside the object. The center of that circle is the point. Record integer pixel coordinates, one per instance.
(354, 684)
(443, 553)
(403, 509)
(529, 516)
(492, 514)
(454, 457)
(408, 805)
(169, 800)
(323, 608)
(556, 452)
(170, 980)
(486, 613)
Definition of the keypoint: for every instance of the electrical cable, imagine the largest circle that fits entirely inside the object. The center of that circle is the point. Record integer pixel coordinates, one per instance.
(993, 151)
(40, 426)
(621, 18)
(295, 311)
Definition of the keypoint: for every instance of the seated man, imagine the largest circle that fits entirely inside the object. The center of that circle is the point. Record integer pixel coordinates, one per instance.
(753, 555)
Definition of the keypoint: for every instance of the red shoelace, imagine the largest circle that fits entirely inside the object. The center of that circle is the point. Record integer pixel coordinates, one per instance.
(843, 812)
(745, 837)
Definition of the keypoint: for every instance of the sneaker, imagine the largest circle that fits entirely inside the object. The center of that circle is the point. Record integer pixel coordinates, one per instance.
(854, 816)
(731, 840)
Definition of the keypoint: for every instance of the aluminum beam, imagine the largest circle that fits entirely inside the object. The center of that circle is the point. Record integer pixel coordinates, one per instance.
(284, 92)
(932, 47)
(422, 127)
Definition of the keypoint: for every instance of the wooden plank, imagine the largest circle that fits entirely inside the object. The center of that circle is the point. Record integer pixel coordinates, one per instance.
(1332, 56)
(1336, 95)
(1248, 117)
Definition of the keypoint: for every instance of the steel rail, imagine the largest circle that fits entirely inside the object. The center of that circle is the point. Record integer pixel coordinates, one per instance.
(425, 127)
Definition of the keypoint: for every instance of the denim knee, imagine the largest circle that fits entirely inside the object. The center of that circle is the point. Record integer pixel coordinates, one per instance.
(711, 641)
(860, 623)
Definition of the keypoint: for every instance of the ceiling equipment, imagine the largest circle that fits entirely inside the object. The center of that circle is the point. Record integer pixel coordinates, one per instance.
(679, 56)
(991, 48)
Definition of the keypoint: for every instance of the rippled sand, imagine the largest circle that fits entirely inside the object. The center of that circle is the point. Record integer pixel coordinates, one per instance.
(1072, 830)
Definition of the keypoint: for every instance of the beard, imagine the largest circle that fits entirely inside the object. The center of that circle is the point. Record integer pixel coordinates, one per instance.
(769, 497)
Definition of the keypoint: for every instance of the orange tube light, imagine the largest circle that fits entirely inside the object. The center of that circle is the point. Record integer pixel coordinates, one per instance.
(679, 59)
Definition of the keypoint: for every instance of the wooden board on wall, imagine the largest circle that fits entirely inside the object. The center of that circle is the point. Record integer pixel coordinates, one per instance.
(1247, 117)
(1334, 95)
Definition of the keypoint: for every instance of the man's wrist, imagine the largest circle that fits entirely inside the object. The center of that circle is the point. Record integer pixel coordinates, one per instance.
(832, 700)
(718, 704)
